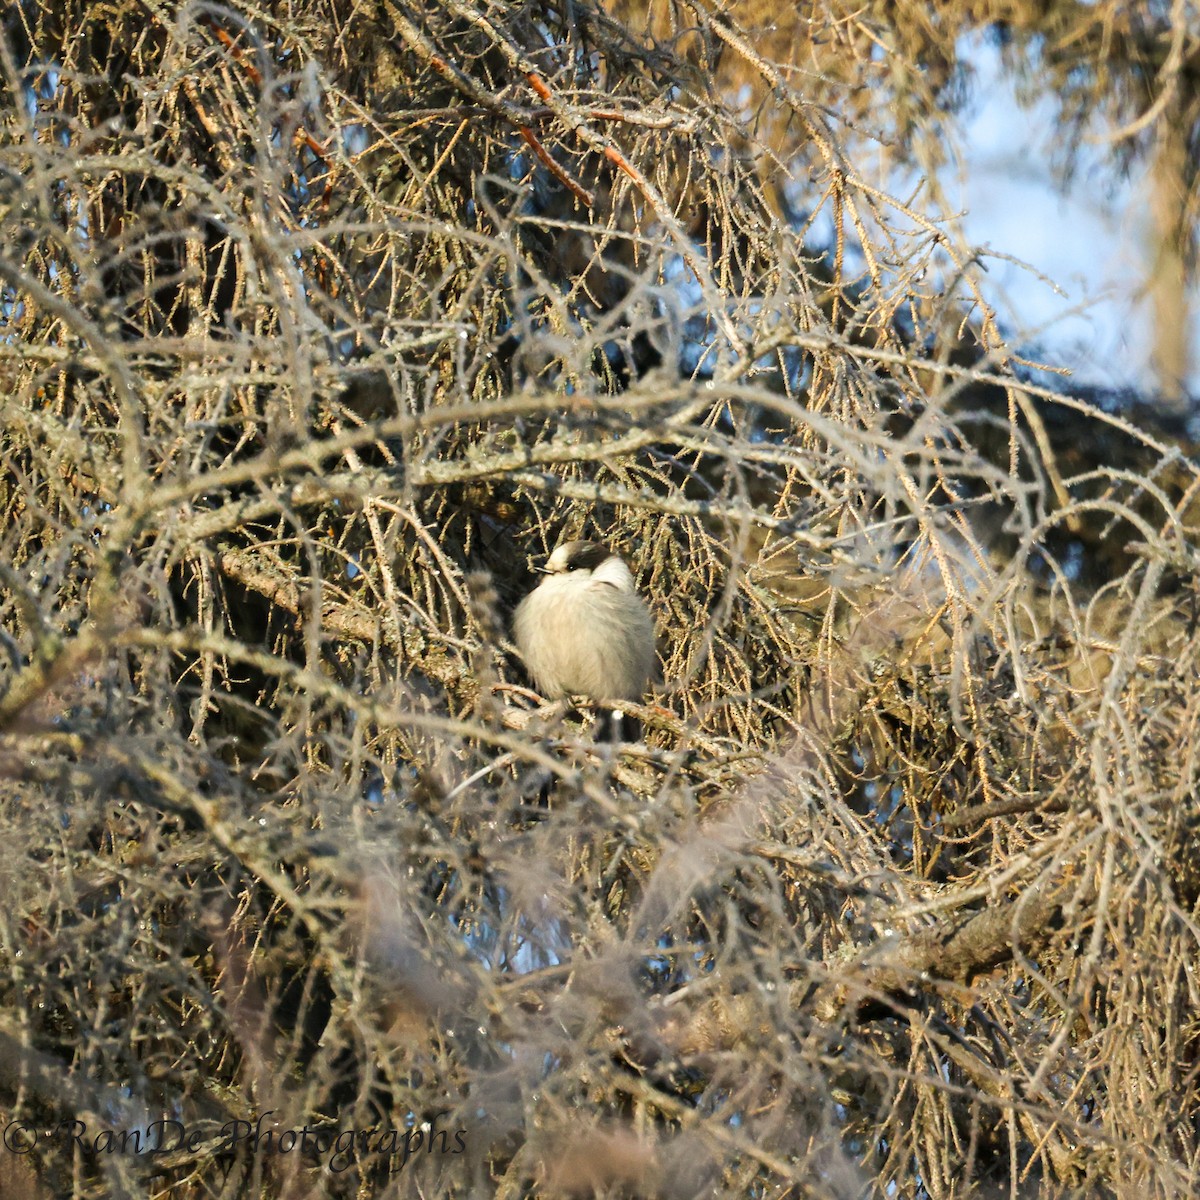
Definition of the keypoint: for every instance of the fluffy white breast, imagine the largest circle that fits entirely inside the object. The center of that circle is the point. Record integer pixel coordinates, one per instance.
(587, 633)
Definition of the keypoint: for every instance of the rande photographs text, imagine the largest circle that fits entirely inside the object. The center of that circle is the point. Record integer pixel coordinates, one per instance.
(336, 1148)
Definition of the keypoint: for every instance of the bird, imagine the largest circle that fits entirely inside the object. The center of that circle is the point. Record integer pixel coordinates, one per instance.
(584, 630)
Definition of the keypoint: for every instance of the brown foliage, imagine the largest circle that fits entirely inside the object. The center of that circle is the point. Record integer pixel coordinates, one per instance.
(320, 321)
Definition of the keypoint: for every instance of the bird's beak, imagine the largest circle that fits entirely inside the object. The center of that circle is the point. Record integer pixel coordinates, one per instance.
(543, 571)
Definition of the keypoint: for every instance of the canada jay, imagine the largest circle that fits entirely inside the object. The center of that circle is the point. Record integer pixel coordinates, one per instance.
(584, 630)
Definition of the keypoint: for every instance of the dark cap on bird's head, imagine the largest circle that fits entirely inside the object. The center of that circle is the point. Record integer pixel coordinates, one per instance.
(576, 556)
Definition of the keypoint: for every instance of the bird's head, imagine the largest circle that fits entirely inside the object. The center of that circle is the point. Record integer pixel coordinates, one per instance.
(585, 561)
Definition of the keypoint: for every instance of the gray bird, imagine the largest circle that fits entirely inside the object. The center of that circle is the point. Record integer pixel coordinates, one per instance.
(584, 630)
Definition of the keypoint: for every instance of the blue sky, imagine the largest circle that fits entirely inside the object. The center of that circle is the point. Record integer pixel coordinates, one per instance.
(1091, 239)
